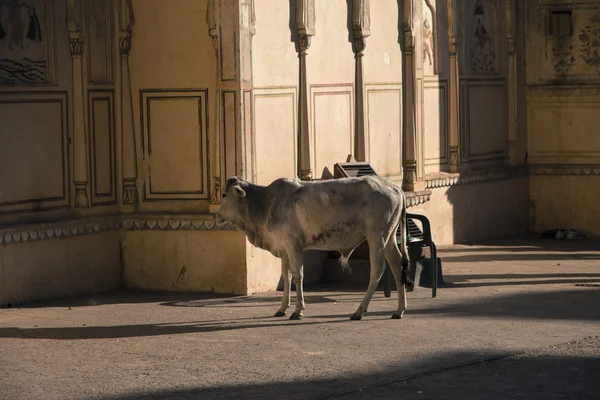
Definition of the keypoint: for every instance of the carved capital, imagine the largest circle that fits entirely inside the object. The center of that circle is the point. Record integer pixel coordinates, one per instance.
(454, 159)
(512, 49)
(306, 174)
(410, 174)
(303, 43)
(130, 193)
(409, 42)
(81, 195)
(77, 45)
(408, 15)
(305, 22)
(125, 44)
(216, 193)
(452, 46)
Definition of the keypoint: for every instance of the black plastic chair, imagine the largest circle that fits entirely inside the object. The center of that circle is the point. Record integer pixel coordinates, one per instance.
(417, 239)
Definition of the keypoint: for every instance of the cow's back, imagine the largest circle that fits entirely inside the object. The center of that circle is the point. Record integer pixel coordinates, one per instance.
(332, 213)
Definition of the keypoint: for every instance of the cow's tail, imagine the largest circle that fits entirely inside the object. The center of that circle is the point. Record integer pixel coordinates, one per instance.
(404, 245)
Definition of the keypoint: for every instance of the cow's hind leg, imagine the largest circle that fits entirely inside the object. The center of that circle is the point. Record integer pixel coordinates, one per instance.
(286, 274)
(376, 256)
(296, 267)
(395, 260)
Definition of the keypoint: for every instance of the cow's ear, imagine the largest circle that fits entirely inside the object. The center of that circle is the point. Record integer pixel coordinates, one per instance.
(237, 189)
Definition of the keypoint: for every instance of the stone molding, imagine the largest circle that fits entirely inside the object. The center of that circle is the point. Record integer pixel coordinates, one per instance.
(34, 232)
(563, 91)
(561, 170)
(451, 179)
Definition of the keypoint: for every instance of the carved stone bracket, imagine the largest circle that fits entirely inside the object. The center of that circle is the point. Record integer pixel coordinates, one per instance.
(212, 20)
(305, 25)
(361, 24)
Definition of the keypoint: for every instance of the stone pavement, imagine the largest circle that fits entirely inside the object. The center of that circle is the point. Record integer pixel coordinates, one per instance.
(518, 318)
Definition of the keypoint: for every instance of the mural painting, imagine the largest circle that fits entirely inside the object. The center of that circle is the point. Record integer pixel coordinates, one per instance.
(22, 47)
(428, 43)
(483, 45)
(589, 38)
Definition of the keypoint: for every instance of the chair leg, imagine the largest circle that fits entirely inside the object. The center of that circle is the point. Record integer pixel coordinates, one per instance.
(434, 265)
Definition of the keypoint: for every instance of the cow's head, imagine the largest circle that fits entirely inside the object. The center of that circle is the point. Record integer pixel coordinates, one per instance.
(233, 202)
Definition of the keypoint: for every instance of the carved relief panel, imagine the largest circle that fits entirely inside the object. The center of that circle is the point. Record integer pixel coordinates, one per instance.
(26, 42)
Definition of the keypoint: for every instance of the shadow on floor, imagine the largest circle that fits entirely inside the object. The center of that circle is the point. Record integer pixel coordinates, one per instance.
(567, 371)
(579, 304)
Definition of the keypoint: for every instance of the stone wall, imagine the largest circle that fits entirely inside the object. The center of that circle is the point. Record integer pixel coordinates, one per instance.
(563, 96)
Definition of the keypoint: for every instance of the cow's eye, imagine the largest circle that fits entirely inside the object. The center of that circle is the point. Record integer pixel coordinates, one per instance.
(223, 195)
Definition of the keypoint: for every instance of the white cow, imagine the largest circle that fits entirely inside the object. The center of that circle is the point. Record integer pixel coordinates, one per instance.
(290, 216)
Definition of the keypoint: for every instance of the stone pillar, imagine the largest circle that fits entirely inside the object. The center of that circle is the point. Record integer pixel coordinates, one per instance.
(361, 22)
(305, 24)
(129, 155)
(212, 19)
(453, 88)
(77, 45)
(231, 27)
(409, 84)
(511, 83)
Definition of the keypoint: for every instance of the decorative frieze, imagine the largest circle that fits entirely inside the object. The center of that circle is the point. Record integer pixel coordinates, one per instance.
(452, 179)
(561, 170)
(103, 224)
(416, 198)
(563, 91)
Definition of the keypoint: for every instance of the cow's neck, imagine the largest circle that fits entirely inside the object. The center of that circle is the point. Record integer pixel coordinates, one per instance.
(256, 219)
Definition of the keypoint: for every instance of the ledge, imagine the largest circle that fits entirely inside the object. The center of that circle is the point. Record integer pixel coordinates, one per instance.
(416, 198)
(443, 179)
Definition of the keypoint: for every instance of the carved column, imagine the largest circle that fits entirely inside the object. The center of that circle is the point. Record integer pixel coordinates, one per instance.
(129, 156)
(409, 83)
(212, 19)
(77, 45)
(512, 83)
(453, 88)
(305, 24)
(361, 22)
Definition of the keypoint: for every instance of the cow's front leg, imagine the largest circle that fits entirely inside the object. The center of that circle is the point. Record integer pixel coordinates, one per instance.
(297, 269)
(286, 275)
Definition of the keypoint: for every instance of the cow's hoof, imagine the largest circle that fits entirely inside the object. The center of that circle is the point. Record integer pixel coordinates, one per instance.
(397, 316)
(296, 316)
(410, 288)
(279, 314)
(355, 317)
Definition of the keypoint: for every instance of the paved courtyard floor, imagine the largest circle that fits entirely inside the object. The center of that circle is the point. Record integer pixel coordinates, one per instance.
(517, 319)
